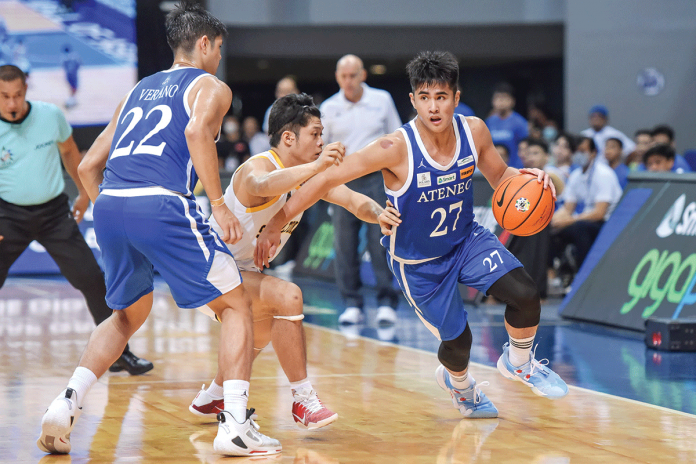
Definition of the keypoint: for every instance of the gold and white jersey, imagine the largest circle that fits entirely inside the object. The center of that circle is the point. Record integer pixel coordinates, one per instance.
(253, 220)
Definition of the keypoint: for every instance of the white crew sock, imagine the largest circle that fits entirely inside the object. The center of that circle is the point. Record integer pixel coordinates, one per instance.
(215, 391)
(236, 394)
(519, 351)
(81, 381)
(462, 382)
(301, 386)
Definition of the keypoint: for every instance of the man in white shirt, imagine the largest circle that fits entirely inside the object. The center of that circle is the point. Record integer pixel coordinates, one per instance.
(601, 131)
(591, 195)
(357, 115)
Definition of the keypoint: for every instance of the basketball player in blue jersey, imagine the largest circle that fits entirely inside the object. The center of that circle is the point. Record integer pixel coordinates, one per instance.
(258, 189)
(427, 167)
(147, 160)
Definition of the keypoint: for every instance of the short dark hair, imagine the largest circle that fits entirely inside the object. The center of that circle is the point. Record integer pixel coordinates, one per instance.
(663, 129)
(539, 143)
(429, 68)
(661, 149)
(615, 139)
(290, 113)
(188, 22)
(571, 138)
(504, 87)
(10, 72)
(642, 132)
(593, 145)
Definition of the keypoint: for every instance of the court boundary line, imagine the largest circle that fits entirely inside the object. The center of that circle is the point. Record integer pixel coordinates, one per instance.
(479, 365)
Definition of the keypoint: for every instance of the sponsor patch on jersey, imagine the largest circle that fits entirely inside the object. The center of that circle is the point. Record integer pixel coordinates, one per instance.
(466, 172)
(423, 179)
(446, 179)
(463, 161)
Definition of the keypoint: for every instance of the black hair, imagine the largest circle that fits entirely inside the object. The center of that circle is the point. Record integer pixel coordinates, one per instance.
(429, 68)
(663, 129)
(643, 132)
(661, 149)
(593, 145)
(504, 87)
(10, 72)
(188, 22)
(617, 140)
(507, 150)
(290, 113)
(539, 143)
(571, 138)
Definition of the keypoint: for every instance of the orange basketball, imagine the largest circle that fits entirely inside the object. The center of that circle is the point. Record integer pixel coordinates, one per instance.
(522, 206)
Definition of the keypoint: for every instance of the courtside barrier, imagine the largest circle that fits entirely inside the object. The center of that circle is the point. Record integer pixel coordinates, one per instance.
(643, 263)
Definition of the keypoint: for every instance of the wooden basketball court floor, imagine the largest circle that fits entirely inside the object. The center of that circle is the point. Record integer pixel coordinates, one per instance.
(390, 408)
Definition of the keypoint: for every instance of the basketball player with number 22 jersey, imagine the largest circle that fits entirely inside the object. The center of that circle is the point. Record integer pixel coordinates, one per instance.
(140, 173)
(427, 167)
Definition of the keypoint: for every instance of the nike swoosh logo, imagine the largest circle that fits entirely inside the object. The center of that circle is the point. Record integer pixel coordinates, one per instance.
(301, 419)
(502, 197)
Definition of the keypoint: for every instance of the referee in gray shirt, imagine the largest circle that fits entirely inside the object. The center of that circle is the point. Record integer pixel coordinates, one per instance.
(357, 115)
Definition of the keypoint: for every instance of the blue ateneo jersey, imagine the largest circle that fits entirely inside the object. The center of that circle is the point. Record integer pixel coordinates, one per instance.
(436, 202)
(149, 147)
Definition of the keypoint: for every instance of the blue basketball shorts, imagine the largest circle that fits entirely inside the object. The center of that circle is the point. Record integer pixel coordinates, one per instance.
(431, 287)
(141, 228)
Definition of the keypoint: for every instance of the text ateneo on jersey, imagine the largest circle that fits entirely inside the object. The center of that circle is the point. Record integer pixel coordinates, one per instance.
(154, 94)
(444, 192)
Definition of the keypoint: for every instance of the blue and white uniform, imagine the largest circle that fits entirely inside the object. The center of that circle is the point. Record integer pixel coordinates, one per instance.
(438, 243)
(146, 214)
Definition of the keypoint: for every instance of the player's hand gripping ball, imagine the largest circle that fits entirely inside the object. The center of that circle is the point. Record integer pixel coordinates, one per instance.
(522, 205)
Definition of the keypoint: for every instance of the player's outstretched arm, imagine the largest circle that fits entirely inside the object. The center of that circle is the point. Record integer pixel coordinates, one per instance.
(209, 101)
(384, 153)
(91, 168)
(261, 183)
(363, 207)
(491, 164)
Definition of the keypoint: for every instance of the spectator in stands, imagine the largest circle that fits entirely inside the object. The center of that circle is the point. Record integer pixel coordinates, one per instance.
(591, 195)
(613, 150)
(285, 86)
(257, 140)
(664, 134)
(507, 126)
(232, 150)
(643, 141)
(600, 131)
(464, 109)
(522, 146)
(503, 152)
(563, 154)
(537, 156)
(660, 158)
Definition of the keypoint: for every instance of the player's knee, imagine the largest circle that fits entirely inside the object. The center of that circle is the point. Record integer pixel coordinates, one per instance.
(526, 309)
(292, 303)
(454, 354)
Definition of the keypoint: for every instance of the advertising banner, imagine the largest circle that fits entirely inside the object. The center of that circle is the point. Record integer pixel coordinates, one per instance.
(643, 262)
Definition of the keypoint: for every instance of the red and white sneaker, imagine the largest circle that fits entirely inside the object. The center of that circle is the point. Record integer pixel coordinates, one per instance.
(205, 405)
(309, 412)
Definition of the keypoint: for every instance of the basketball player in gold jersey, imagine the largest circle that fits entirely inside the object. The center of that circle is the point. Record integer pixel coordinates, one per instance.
(258, 190)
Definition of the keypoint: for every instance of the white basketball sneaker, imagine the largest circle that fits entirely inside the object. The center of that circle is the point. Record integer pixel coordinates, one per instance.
(235, 439)
(58, 422)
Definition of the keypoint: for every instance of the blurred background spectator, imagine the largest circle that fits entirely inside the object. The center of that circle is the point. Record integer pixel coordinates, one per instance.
(285, 86)
(257, 140)
(507, 127)
(600, 131)
(232, 149)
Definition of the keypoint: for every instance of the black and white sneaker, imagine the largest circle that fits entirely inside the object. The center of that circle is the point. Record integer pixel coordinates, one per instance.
(235, 439)
(58, 422)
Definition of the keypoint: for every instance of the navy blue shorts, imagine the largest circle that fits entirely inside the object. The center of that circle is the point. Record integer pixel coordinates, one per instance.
(431, 287)
(137, 230)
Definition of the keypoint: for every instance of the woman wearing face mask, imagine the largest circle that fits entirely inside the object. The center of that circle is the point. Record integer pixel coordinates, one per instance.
(591, 194)
(232, 149)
